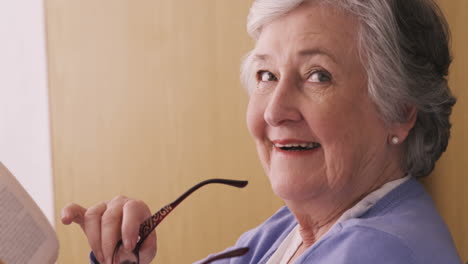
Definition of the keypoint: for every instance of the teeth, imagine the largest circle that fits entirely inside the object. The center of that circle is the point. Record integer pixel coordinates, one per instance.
(302, 145)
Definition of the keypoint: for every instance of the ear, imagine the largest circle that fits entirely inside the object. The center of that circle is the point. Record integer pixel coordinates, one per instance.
(402, 129)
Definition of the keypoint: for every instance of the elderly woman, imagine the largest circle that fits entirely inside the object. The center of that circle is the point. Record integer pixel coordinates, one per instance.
(349, 104)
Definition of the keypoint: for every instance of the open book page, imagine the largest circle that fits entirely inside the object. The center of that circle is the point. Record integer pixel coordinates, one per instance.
(26, 235)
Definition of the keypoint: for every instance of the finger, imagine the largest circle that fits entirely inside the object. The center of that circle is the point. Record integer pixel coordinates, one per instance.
(73, 213)
(148, 248)
(135, 212)
(111, 226)
(92, 228)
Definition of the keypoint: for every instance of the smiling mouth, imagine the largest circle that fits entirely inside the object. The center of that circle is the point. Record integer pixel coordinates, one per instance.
(298, 147)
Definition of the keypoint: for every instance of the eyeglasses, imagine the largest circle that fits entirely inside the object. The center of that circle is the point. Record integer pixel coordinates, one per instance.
(122, 256)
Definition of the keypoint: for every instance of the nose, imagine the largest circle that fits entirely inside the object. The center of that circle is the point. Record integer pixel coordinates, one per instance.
(282, 106)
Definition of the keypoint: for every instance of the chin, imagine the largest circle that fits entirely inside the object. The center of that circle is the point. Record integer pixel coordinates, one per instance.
(293, 188)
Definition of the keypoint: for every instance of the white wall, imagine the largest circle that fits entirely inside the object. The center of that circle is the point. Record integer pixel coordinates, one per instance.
(24, 116)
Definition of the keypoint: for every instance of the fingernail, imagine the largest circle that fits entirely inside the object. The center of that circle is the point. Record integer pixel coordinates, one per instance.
(100, 258)
(129, 244)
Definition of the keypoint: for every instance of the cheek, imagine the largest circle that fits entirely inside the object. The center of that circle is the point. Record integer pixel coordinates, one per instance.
(255, 121)
(342, 120)
(257, 128)
(336, 125)
(352, 137)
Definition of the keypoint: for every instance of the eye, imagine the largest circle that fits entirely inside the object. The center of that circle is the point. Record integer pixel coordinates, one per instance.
(319, 77)
(266, 76)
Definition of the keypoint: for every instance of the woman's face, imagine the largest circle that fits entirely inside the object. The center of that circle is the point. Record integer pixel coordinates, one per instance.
(315, 127)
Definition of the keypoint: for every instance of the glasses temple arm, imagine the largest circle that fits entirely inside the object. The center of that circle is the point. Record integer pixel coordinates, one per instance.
(152, 222)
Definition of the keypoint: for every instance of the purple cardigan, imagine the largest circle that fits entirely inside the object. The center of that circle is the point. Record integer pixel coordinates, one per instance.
(402, 227)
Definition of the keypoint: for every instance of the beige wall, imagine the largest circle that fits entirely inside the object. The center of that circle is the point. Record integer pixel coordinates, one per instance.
(146, 101)
(449, 183)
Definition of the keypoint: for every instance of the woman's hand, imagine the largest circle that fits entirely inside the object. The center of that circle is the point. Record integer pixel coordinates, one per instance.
(105, 223)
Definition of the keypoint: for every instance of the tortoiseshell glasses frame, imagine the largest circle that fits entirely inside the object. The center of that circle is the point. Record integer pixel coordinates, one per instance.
(122, 256)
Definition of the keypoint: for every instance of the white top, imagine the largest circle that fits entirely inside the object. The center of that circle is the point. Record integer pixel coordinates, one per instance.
(294, 240)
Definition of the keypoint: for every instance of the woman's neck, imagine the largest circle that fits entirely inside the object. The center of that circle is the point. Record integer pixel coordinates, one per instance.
(315, 221)
(318, 214)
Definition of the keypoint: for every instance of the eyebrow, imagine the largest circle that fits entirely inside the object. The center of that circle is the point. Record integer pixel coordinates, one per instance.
(301, 53)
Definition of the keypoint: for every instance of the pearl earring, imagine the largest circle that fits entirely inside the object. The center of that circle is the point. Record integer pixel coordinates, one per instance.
(395, 140)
